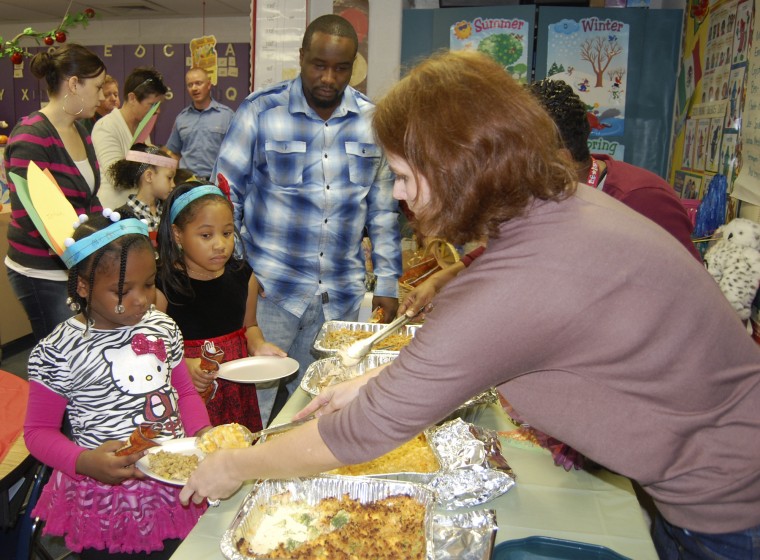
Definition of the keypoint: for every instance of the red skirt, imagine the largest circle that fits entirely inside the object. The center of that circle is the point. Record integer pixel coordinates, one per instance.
(233, 402)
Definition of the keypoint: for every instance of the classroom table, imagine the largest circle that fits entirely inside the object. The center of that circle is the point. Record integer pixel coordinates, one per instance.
(593, 507)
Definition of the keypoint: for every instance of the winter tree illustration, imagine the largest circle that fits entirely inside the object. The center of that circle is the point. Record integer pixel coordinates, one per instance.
(599, 52)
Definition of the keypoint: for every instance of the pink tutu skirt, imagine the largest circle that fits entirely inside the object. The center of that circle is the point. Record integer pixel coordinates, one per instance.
(131, 517)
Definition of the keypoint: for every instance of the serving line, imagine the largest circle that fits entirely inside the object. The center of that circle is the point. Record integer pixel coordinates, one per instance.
(598, 508)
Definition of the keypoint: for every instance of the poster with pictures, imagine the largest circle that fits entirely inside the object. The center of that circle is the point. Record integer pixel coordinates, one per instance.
(592, 56)
(688, 185)
(503, 39)
(689, 144)
(727, 162)
(735, 94)
(700, 155)
(742, 28)
(714, 137)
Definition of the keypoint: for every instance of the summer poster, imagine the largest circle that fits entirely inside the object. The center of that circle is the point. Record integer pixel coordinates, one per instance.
(591, 55)
(728, 156)
(503, 39)
(742, 28)
(735, 93)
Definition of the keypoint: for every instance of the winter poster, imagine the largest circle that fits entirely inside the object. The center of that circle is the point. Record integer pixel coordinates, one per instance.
(735, 89)
(742, 28)
(689, 145)
(714, 137)
(503, 39)
(591, 54)
(700, 154)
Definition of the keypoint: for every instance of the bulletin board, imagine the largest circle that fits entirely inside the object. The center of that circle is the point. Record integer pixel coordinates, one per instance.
(710, 123)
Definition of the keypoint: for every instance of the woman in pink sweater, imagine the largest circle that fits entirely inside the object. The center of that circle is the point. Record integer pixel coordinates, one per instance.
(581, 311)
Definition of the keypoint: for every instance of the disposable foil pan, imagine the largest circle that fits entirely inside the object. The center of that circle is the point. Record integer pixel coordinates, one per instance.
(312, 491)
(464, 536)
(318, 370)
(472, 469)
(321, 351)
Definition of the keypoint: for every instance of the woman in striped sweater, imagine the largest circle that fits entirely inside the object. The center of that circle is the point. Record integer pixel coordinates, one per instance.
(55, 139)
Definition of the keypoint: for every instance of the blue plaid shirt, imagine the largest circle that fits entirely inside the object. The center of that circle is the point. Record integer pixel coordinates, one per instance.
(303, 190)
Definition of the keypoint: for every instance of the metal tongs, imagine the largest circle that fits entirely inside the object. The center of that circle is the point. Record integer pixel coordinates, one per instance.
(283, 427)
(353, 354)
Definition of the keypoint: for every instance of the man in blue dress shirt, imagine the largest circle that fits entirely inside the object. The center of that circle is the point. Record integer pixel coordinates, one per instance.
(199, 128)
(307, 180)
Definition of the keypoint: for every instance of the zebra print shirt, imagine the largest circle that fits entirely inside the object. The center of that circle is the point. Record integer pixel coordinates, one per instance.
(116, 379)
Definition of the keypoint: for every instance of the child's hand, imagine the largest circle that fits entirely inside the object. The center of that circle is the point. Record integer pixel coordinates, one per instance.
(201, 379)
(268, 349)
(103, 465)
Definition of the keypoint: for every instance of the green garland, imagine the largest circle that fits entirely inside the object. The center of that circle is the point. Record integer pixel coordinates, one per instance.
(16, 53)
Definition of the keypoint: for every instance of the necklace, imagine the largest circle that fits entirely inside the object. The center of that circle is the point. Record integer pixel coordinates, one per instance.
(203, 274)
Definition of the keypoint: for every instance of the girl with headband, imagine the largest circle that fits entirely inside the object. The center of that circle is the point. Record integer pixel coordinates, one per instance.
(151, 171)
(114, 367)
(208, 288)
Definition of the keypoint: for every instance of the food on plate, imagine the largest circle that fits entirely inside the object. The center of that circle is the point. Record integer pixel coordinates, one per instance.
(225, 436)
(139, 440)
(414, 456)
(390, 528)
(340, 338)
(172, 466)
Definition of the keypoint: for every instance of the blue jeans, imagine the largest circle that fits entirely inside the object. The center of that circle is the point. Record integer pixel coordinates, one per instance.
(43, 300)
(674, 543)
(293, 334)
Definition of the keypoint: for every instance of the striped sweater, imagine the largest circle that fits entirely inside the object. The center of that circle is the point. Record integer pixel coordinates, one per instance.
(34, 138)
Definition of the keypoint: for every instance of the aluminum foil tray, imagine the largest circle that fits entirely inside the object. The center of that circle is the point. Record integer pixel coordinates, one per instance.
(472, 469)
(459, 536)
(321, 352)
(318, 370)
(312, 491)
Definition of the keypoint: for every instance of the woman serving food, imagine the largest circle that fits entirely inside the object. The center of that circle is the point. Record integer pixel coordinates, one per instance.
(581, 311)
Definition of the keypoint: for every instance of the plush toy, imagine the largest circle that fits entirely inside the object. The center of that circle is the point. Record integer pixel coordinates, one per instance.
(734, 262)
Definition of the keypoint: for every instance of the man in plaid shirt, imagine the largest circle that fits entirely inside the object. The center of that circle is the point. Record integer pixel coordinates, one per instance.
(306, 180)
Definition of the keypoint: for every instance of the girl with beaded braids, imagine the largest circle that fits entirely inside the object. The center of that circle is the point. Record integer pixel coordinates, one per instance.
(115, 367)
(210, 290)
(55, 138)
(150, 170)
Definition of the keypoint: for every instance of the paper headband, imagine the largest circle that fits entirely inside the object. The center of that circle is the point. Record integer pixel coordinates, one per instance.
(151, 159)
(55, 218)
(193, 194)
(86, 246)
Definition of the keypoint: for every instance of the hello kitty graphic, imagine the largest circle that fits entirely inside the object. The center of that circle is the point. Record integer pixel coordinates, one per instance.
(140, 369)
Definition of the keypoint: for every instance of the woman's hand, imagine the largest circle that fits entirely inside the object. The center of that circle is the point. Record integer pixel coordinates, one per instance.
(335, 397)
(104, 465)
(213, 479)
(201, 378)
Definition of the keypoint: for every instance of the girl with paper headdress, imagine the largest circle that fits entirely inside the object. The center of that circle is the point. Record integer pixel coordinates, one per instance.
(114, 368)
(55, 138)
(151, 170)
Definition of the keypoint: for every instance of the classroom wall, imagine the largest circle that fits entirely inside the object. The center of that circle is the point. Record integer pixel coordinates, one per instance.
(384, 35)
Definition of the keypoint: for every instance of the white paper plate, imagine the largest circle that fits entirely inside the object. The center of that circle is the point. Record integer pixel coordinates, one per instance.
(184, 446)
(257, 369)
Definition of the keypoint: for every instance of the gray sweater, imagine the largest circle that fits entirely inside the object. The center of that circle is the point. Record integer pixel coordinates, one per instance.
(603, 332)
